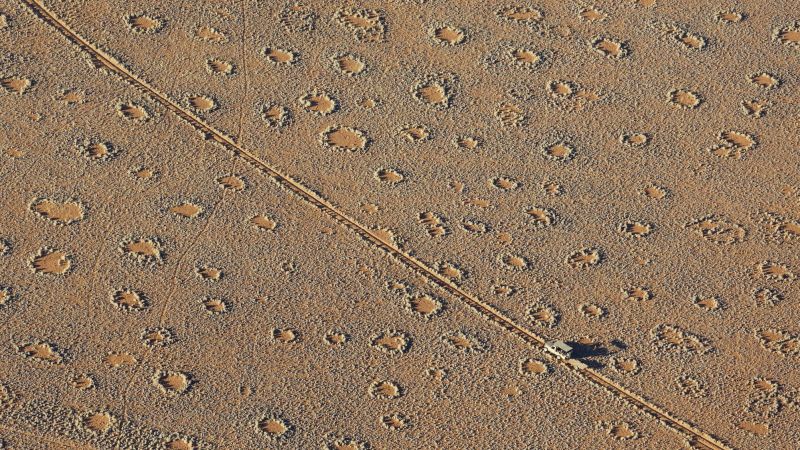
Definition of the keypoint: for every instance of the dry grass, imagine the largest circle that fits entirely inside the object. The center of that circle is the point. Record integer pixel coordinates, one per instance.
(305, 225)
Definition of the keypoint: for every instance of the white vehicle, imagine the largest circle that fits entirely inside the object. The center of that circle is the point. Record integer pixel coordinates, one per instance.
(559, 349)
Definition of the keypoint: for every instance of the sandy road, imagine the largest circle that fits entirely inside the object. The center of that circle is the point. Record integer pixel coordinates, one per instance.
(697, 437)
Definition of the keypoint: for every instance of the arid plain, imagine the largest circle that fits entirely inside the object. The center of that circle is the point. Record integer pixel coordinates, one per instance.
(353, 225)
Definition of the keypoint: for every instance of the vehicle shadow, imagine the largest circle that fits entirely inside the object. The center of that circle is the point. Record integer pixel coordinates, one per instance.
(593, 354)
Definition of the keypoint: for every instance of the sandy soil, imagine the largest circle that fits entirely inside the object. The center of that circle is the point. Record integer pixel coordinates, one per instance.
(319, 225)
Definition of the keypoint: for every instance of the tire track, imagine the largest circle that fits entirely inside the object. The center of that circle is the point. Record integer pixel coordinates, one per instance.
(102, 60)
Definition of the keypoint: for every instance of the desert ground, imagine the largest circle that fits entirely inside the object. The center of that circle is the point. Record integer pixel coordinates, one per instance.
(355, 225)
